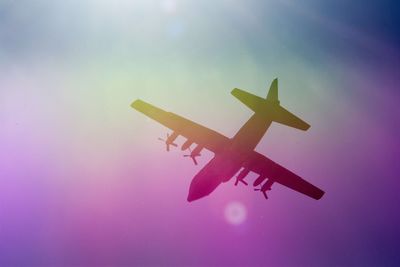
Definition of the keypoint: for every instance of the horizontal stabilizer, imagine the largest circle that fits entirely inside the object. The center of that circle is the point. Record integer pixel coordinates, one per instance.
(269, 107)
(253, 102)
(285, 117)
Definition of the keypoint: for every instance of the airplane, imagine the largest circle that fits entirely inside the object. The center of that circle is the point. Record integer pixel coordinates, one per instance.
(235, 154)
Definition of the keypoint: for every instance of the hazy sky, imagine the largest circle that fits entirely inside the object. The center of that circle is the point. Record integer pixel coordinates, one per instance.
(84, 181)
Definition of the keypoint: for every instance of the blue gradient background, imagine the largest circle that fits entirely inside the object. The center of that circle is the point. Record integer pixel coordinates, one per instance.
(84, 182)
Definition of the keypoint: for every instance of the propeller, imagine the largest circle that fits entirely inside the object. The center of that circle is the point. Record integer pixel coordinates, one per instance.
(240, 177)
(262, 191)
(265, 187)
(192, 156)
(167, 142)
(240, 180)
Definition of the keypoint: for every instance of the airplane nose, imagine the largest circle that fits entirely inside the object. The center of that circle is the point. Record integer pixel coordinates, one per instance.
(192, 197)
(203, 184)
(197, 192)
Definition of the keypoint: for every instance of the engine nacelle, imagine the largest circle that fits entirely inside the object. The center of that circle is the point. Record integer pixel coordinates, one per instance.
(170, 140)
(267, 185)
(240, 178)
(196, 151)
(186, 145)
(259, 180)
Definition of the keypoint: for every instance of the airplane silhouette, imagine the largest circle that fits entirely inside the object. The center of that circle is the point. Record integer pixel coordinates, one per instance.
(237, 153)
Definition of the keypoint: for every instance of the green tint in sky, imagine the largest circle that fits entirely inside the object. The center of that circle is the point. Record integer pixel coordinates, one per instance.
(73, 190)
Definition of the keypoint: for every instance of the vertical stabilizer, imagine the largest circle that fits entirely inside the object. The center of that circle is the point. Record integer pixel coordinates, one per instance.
(273, 91)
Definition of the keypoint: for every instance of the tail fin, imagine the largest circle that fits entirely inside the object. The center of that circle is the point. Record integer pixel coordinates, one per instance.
(270, 107)
(273, 92)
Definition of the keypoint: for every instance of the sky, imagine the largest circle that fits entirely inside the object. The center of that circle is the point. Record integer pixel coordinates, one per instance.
(85, 182)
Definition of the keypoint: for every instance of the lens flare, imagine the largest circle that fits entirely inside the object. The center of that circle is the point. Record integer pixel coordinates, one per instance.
(235, 213)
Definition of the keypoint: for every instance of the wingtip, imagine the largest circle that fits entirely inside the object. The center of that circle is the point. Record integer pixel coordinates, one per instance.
(322, 193)
(234, 90)
(135, 104)
(274, 83)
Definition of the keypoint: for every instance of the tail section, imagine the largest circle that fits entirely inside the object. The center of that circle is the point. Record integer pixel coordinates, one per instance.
(285, 117)
(273, 92)
(270, 107)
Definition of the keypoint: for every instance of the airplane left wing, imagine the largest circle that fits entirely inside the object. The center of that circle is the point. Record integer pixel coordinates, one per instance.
(194, 132)
(265, 167)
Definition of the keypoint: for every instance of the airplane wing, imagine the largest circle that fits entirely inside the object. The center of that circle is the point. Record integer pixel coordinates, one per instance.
(194, 132)
(262, 165)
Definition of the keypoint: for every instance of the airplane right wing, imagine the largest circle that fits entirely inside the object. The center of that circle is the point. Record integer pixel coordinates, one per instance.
(262, 165)
(194, 132)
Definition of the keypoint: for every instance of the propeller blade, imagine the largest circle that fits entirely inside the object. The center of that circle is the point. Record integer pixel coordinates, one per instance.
(262, 191)
(193, 158)
(167, 143)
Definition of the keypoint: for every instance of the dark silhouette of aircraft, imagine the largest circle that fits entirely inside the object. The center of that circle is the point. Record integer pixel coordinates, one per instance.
(237, 153)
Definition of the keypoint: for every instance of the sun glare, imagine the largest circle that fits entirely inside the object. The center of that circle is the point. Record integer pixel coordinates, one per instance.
(235, 213)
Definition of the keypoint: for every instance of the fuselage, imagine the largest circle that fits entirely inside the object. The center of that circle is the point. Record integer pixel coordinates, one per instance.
(227, 162)
(236, 154)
